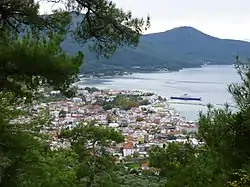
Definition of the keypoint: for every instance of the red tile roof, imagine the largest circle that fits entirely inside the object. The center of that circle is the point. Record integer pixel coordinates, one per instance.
(128, 145)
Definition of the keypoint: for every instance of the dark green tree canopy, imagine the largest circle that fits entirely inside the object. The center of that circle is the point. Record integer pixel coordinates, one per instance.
(107, 26)
(39, 59)
(31, 57)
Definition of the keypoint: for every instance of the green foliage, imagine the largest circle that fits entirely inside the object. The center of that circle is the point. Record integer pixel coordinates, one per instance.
(16, 13)
(91, 89)
(31, 57)
(34, 65)
(110, 26)
(39, 59)
(172, 50)
(223, 160)
(124, 178)
(123, 102)
(240, 91)
(226, 133)
(90, 143)
(170, 159)
(20, 147)
(240, 178)
(144, 102)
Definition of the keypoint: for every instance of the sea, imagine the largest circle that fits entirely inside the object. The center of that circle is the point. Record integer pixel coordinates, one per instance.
(210, 83)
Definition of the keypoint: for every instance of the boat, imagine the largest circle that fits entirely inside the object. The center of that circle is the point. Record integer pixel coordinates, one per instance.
(186, 98)
(205, 63)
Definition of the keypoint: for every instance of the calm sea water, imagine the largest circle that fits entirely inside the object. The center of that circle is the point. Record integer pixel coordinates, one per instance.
(210, 83)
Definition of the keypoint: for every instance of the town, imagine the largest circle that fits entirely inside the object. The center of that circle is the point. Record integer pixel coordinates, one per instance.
(144, 119)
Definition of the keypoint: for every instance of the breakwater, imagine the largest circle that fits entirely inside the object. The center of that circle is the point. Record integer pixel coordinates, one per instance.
(200, 104)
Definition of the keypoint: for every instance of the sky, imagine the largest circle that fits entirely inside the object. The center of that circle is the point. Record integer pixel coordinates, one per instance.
(221, 18)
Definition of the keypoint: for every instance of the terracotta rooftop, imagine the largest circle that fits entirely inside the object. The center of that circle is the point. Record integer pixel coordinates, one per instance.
(129, 138)
(128, 145)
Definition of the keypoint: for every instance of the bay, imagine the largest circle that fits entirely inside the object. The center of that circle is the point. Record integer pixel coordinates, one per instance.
(210, 83)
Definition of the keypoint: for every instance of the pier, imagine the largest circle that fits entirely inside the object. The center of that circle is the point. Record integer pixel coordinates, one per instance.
(200, 104)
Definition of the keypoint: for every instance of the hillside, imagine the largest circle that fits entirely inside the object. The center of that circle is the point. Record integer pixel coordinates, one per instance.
(181, 47)
(190, 46)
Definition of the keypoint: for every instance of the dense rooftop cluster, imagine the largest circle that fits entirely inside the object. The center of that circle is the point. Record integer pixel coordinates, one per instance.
(150, 121)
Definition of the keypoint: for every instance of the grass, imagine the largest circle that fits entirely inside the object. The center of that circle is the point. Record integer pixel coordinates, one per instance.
(133, 165)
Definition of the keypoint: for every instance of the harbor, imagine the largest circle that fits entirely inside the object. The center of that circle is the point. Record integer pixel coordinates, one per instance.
(143, 118)
(199, 104)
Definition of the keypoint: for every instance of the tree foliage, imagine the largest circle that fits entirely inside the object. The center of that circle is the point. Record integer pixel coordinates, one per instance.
(31, 57)
(223, 160)
(39, 59)
(106, 25)
(90, 143)
(240, 91)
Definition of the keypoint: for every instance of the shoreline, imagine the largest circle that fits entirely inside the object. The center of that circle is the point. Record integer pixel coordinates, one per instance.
(124, 74)
(167, 101)
(143, 118)
(88, 76)
(169, 87)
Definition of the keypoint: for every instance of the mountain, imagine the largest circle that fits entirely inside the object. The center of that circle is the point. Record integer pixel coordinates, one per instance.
(191, 46)
(182, 47)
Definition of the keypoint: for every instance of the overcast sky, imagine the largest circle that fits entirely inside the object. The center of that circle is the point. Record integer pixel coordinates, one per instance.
(221, 18)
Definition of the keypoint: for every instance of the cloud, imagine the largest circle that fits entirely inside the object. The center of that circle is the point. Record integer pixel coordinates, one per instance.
(222, 18)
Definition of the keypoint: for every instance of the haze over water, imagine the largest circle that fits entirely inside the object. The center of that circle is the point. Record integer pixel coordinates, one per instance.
(210, 83)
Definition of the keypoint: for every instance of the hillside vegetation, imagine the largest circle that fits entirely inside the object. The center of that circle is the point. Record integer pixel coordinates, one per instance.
(32, 63)
(182, 47)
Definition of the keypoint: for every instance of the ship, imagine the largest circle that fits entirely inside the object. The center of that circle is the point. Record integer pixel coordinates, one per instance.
(186, 98)
(205, 63)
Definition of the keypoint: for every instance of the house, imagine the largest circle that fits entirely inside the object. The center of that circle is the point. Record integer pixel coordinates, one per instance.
(189, 128)
(77, 100)
(145, 166)
(128, 149)
(114, 125)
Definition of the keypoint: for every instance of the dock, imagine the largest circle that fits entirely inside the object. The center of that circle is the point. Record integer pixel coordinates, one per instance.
(200, 104)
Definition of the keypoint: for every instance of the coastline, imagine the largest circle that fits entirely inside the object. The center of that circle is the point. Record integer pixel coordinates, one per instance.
(144, 118)
(82, 76)
(124, 74)
(212, 90)
(167, 104)
(120, 74)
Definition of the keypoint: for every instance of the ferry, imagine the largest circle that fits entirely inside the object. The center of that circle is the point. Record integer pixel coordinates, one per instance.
(186, 98)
